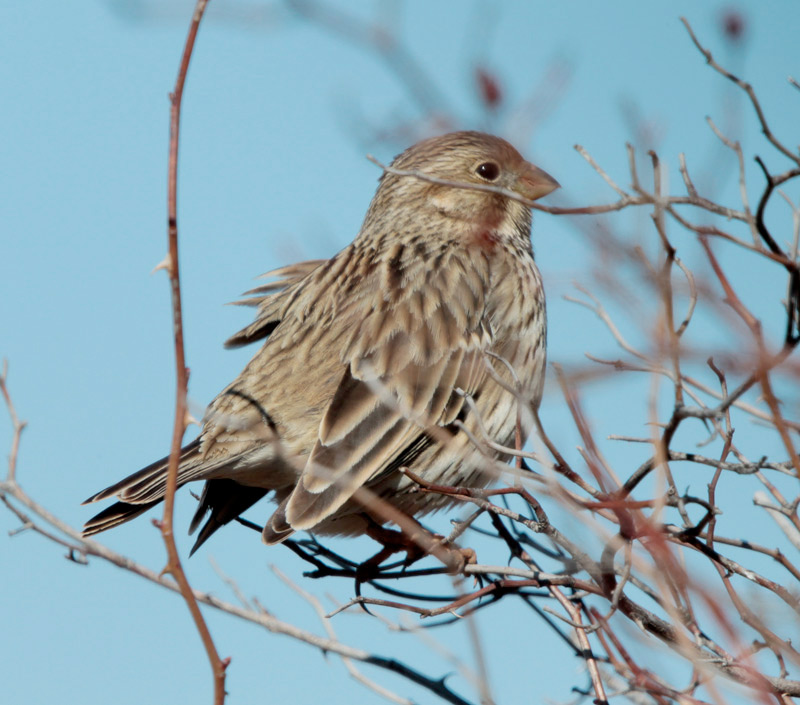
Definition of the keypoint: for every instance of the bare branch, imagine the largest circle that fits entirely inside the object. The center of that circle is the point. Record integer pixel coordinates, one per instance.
(17, 426)
(174, 566)
(746, 87)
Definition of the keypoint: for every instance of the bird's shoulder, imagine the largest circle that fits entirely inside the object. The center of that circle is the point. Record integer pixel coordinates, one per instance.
(272, 300)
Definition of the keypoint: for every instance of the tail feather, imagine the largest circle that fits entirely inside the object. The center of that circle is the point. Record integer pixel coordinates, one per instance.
(118, 513)
(140, 491)
(226, 500)
(149, 484)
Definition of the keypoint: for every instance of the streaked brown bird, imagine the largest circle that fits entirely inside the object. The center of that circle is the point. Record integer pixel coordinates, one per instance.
(408, 349)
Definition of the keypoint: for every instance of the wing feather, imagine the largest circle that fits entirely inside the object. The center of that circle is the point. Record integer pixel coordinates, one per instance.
(272, 300)
(407, 369)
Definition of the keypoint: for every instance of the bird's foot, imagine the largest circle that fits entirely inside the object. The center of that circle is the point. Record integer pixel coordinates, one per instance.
(416, 546)
(413, 545)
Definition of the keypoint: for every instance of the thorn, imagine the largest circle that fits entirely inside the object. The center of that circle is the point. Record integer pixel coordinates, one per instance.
(27, 525)
(165, 263)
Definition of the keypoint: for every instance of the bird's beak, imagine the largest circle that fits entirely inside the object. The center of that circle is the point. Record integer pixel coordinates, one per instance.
(533, 183)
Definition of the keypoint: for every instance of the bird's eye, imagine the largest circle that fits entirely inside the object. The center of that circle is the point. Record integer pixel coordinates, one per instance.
(488, 170)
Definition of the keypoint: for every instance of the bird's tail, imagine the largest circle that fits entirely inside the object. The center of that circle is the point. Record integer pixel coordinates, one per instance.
(140, 491)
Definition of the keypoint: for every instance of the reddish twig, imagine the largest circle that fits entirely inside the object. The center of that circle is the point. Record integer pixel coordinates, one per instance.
(764, 363)
(174, 566)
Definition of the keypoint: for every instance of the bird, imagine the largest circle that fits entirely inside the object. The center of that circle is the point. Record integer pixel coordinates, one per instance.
(398, 358)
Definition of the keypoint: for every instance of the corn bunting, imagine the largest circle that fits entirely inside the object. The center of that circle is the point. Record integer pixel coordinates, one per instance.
(411, 348)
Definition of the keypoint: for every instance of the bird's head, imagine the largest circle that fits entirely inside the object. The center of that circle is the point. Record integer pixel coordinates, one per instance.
(444, 176)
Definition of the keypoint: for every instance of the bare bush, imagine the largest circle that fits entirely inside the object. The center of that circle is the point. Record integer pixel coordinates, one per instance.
(688, 545)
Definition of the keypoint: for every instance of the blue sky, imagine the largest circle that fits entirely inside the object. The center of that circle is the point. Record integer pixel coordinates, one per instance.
(272, 170)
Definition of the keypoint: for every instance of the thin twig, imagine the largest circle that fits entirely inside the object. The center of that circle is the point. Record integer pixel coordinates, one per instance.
(746, 87)
(174, 566)
(17, 426)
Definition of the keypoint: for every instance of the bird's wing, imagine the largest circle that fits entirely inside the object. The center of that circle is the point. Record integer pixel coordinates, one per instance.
(407, 369)
(272, 300)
